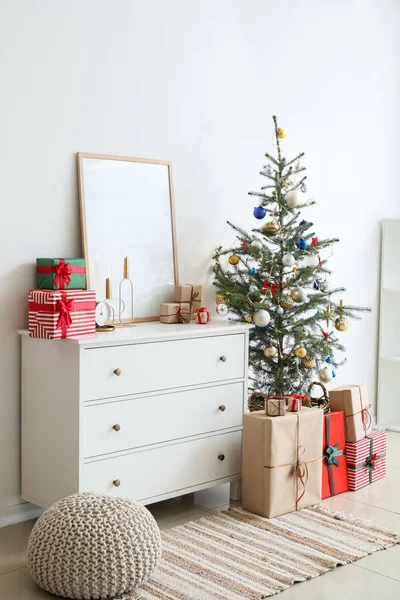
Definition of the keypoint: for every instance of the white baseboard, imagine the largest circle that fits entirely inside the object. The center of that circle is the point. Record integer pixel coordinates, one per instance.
(18, 513)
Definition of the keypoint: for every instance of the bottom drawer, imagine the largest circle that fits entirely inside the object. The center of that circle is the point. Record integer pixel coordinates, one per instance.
(158, 471)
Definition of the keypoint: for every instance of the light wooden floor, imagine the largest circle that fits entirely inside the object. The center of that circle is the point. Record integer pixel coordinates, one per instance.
(374, 577)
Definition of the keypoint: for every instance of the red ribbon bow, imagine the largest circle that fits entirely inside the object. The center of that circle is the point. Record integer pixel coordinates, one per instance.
(314, 241)
(274, 287)
(244, 244)
(62, 274)
(65, 307)
(295, 397)
(183, 314)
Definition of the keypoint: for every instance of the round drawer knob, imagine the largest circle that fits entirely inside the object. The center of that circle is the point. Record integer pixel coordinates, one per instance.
(116, 427)
(117, 372)
(116, 482)
(222, 407)
(221, 456)
(222, 358)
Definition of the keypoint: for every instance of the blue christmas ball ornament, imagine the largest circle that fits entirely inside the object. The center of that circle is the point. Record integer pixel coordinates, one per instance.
(329, 360)
(262, 328)
(303, 188)
(333, 374)
(303, 222)
(259, 212)
(253, 271)
(316, 284)
(301, 243)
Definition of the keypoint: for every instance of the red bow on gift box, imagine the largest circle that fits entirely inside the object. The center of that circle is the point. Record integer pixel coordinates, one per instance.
(64, 306)
(274, 287)
(62, 274)
(371, 461)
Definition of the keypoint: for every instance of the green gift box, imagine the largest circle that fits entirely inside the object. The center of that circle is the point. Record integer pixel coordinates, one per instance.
(61, 273)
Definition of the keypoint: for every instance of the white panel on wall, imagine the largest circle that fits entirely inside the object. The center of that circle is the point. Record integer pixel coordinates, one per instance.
(196, 85)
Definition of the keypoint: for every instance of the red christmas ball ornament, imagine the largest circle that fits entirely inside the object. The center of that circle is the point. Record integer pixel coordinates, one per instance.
(202, 315)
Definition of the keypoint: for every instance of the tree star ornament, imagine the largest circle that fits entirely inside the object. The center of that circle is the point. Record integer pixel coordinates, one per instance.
(328, 315)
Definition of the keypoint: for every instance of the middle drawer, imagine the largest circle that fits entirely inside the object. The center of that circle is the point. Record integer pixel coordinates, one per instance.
(136, 422)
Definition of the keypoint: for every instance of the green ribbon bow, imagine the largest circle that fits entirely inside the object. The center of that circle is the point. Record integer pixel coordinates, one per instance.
(370, 461)
(331, 453)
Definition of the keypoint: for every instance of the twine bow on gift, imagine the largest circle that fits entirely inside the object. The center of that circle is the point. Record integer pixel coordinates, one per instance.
(65, 307)
(268, 285)
(183, 314)
(365, 414)
(62, 274)
(301, 474)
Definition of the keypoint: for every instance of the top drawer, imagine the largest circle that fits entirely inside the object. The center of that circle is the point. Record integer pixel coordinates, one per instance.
(122, 370)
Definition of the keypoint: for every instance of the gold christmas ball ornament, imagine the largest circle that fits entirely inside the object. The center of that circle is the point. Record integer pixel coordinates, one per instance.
(298, 294)
(301, 352)
(308, 362)
(281, 133)
(270, 351)
(233, 259)
(286, 302)
(341, 324)
(271, 228)
(220, 299)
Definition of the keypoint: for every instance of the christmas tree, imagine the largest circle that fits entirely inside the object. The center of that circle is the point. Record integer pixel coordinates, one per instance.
(276, 278)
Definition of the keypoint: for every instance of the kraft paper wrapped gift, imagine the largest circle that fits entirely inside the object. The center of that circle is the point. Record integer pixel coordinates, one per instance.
(189, 292)
(353, 401)
(175, 312)
(281, 470)
(275, 407)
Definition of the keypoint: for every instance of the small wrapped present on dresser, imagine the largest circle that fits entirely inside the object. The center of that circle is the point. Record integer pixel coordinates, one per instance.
(275, 406)
(56, 314)
(281, 461)
(189, 292)
(61, 273)
(366, 460)
(334, 463)
(175, 312)
(353, 401)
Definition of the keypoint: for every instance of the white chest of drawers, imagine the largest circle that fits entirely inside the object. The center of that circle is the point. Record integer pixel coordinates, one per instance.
(150, 412)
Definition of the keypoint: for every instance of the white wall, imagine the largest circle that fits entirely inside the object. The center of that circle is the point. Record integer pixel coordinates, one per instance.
(196, 83)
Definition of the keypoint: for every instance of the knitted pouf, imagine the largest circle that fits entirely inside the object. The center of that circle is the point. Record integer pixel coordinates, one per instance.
(91, 546)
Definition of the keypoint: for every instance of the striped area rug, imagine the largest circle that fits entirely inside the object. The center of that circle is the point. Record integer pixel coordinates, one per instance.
(236, 555)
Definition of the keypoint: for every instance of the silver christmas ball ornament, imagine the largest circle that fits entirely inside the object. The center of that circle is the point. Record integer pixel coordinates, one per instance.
(261, 318)
(268, 170)
(253, 288)
(256, 244)
(279, 310)
(293, 198)
(288, 260)
(325, 375)
(303, 188)
(222, 310)
(325, 287)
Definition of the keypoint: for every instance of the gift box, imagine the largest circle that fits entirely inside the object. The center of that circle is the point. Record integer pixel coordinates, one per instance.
(61, 273)
(203, 316)
(281, 466)
(275, 407)
(189, 293)
(55, 314)
(175, 312)
(353, 401)
(334, 463)
(366, 460)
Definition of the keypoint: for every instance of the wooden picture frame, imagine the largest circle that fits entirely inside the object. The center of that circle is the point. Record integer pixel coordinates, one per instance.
(81, 156)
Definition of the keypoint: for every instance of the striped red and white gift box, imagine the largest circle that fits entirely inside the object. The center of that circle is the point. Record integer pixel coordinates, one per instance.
(44, 313)
(361, 469)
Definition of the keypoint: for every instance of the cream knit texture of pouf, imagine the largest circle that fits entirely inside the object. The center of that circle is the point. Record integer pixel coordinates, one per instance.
(91, 546)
